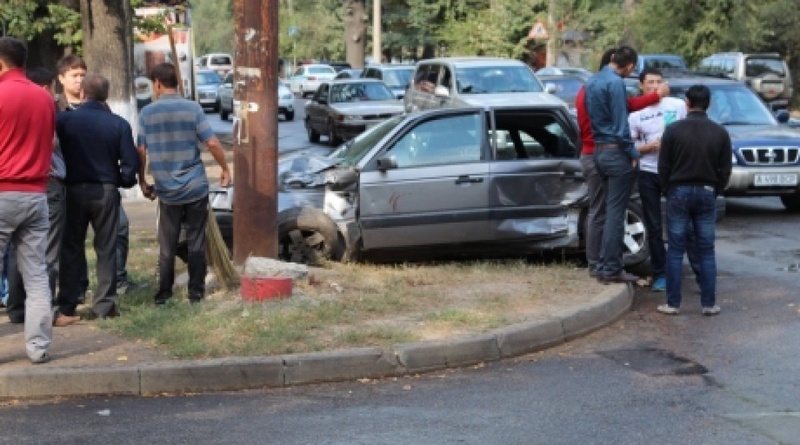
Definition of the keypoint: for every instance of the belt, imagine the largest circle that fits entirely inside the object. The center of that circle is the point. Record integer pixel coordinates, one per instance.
(607, 146)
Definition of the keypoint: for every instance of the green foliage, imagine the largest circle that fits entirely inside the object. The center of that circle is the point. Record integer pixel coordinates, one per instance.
(17, 19)
(213, 26)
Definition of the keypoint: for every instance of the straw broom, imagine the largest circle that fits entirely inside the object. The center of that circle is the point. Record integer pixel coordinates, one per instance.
(217, 254)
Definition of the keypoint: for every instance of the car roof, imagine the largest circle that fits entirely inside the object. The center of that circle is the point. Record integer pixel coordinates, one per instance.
(316, 65)
(354, 80)
(390, 66)
(473, 61)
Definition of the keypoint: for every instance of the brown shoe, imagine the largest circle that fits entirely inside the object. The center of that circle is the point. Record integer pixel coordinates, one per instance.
(65, 320)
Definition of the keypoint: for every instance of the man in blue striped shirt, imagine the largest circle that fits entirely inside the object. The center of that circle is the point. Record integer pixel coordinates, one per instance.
(170, 130)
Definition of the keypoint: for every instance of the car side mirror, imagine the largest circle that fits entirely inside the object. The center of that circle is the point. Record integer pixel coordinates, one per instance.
(782, 116)
(387, 163)
(441, 91)
(341, 178)
(550, 88)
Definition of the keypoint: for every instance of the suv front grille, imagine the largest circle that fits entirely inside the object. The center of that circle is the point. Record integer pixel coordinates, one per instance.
(770, 155)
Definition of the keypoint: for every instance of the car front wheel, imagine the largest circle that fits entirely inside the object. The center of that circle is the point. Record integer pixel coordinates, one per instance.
(223, 113)
(636, 250)
(289, 115)
(307, 236)
(313, 136)
(333, 140)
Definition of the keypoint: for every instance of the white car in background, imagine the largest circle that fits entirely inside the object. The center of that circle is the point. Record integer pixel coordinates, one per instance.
(227, 103)
(306, 79)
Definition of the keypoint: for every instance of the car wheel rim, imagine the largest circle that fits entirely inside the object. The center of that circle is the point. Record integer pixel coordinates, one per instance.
(304, 246)
(634, 233)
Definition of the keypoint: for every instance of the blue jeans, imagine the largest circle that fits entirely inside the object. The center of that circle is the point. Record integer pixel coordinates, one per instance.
(650, 194)
(618, 176)
(691, 208)
(596, 218)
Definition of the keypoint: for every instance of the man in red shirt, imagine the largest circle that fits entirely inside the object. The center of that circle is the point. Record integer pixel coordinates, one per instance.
(27, 125)
(596, 217)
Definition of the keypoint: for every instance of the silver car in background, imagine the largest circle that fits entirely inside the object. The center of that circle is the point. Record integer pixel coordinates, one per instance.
(306, 78)
(343, 109)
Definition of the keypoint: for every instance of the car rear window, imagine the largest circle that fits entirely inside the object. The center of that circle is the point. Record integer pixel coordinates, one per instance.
(757, 66)
(220, 60)
(321, 70)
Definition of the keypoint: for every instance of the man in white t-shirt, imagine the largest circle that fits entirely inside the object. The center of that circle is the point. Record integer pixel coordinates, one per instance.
(647, 125)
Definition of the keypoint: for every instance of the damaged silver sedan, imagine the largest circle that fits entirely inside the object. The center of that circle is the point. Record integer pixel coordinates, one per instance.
(491, 181)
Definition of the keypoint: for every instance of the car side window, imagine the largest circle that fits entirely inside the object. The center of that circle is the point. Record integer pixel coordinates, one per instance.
(532, 137)
(446, 140)
(420, 77)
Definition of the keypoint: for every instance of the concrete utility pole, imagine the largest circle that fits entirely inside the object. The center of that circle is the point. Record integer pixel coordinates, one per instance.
(376, 32)
(255, 225)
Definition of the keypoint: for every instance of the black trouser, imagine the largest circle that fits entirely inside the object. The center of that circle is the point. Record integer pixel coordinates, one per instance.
(56, 197)
(98, 205)
(193, 216)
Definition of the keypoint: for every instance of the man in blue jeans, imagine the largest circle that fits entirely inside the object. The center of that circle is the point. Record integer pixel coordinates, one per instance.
(647, 126)
(693, 166)
(615, 157)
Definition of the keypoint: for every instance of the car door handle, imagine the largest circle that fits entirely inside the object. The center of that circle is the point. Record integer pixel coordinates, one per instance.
(466, 179)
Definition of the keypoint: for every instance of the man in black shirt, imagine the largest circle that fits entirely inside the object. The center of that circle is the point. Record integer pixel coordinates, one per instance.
(693, 167)
(100, 156)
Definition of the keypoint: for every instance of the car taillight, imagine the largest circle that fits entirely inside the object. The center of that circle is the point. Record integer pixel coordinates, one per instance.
(312, 78)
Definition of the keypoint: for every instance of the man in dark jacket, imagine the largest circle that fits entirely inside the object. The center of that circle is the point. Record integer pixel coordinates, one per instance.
(100, 156)
(693, 167)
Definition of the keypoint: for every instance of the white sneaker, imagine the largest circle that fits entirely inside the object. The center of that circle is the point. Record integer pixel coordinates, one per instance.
(709, 311)
(667, 309)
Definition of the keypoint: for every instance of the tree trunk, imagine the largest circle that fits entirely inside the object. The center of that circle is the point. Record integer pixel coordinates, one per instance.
(355, 29)
(108, 50)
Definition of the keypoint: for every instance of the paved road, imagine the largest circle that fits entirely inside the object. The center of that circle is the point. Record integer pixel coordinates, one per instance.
(650, 378)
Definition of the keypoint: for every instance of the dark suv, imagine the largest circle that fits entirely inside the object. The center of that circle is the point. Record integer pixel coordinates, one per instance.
(766, 151)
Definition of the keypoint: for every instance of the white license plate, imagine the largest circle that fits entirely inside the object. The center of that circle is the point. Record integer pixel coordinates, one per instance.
(766, 180)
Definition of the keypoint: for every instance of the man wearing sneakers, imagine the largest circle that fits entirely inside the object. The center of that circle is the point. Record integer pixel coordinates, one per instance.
(694, 165)
(647, 126)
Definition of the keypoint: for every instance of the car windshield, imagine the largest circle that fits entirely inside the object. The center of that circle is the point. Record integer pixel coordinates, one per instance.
(734, 105)
(354, 150)
(566, 87)
(360, 92)
(207, 78)
(496, 79)
(397, 78)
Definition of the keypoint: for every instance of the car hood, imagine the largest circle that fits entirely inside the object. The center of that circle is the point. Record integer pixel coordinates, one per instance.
(369, 107)
(208, 87)
(303, 171)
(763, 134)
(510, 99)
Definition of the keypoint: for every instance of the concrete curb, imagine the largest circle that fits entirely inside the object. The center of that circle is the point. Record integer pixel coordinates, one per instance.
(328, 366)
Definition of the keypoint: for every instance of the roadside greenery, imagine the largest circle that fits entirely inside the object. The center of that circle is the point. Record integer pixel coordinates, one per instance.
(344, 305)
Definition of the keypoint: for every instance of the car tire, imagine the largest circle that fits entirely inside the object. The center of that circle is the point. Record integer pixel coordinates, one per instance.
(313, 136)
(307, 235)
(223, 113)
(333, 140)
(637, 249)
(791, 202)
(289, 115)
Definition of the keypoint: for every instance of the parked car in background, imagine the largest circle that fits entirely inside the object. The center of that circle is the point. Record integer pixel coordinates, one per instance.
(666, 63)
(338, 66)
(342, 109)
(583, 73)
(474, 81)
(348, 73)
(565, 86)
(306, 78)
(464, 182)
(207, 83)
(766, 150)
(220, 63)
(396, 77)
(766, 74)
(227, 103)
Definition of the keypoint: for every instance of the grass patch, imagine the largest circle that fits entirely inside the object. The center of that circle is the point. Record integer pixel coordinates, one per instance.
(340, 305)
